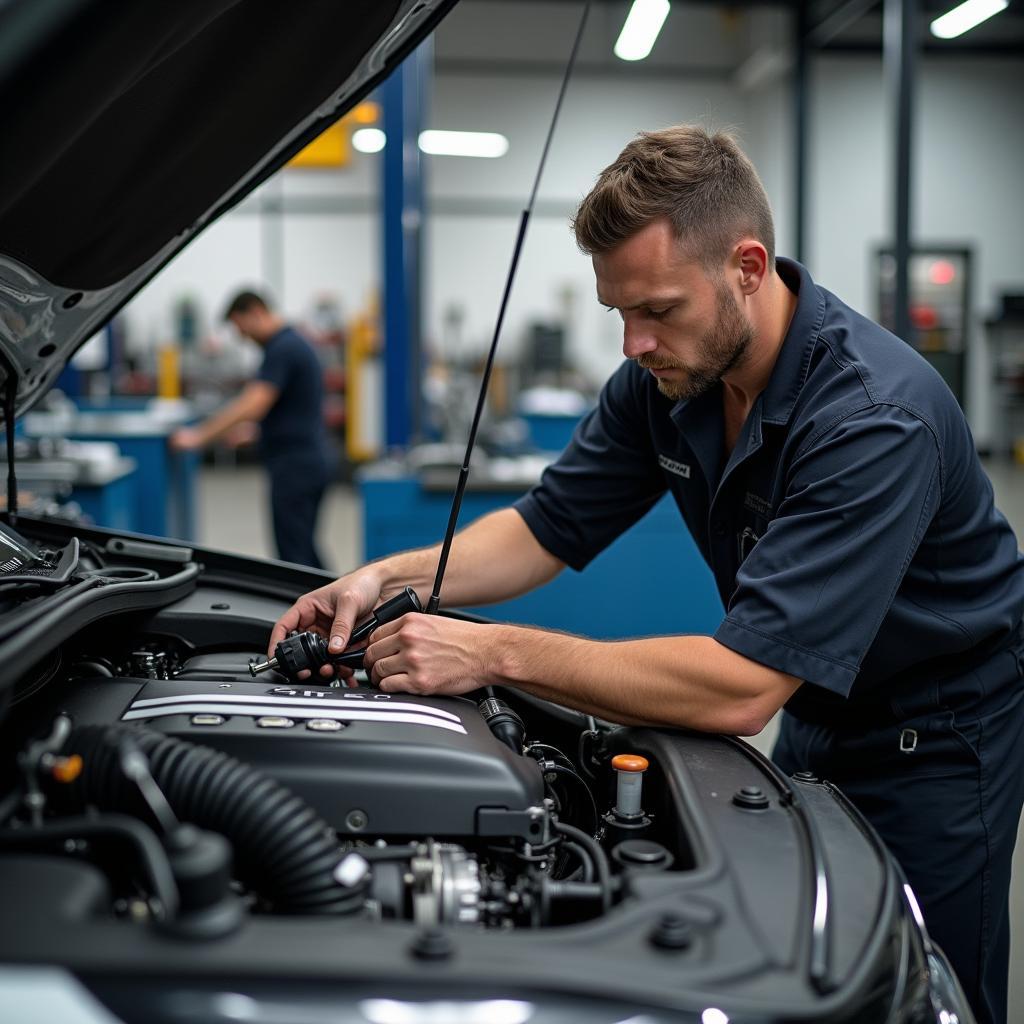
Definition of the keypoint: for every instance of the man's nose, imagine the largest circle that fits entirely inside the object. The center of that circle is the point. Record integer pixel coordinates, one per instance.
(636, 340)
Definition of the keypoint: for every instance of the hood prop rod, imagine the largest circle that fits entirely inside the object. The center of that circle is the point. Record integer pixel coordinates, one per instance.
(524, 219)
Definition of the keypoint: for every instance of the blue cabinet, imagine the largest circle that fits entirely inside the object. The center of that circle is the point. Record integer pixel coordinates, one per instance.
(650, 581)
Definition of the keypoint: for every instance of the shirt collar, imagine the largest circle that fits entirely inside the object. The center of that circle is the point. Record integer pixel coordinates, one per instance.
(790, 370)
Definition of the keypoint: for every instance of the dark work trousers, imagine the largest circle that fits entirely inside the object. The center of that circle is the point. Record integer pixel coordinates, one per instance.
(297, 485)
(948, 809)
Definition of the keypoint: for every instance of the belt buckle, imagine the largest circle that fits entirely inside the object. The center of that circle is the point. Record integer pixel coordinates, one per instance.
(908, 741)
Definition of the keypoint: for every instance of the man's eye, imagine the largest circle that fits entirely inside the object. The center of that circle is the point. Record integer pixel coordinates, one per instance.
(657, 314)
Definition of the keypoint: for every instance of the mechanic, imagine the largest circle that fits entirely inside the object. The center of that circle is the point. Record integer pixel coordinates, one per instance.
(830, 480)
(286, 399)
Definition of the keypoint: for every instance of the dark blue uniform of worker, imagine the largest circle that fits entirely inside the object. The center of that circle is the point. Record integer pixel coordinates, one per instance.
(293, 445)
(855, 544)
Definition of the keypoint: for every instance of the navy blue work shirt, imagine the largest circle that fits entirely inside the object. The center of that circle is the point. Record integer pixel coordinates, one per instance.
(851, 531)
(295, 422)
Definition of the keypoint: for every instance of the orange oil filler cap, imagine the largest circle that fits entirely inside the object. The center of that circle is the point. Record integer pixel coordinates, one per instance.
(67, 769)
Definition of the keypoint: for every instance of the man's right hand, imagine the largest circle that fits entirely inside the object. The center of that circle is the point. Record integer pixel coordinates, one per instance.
(332, 611)
(493, 559)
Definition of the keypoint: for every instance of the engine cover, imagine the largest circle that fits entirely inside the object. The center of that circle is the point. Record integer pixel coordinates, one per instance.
(369, 762)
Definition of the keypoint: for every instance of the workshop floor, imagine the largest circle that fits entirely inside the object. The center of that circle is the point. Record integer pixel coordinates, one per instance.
(224, 491)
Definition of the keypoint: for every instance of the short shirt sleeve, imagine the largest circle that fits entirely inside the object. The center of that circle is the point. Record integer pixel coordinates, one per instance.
(277, 364)
(813, 591)
(605, 480)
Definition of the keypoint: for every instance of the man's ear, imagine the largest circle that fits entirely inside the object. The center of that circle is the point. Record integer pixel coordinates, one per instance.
(750, 261)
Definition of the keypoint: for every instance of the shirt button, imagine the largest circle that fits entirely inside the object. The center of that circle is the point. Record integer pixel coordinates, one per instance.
(719, 529)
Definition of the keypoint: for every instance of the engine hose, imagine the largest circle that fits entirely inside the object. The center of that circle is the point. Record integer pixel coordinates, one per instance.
(604, 880)
(283, 850)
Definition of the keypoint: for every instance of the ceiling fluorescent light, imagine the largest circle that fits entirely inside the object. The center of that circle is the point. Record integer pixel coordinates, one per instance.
(368, 140)
(482, 144)
(643, 23)
(963, 18)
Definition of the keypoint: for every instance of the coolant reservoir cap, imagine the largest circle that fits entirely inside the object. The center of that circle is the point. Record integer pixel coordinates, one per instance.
(629, 763)
(642, 853)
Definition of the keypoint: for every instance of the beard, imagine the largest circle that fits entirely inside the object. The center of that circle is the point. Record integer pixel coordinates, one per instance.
(721, 348)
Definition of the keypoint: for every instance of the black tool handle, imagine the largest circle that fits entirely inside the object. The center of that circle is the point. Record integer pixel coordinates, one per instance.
(395, 608)
(303, 652)
(401, 604)
(350, 659)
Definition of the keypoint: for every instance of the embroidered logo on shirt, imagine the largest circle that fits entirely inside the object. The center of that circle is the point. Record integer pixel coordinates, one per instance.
(679, 468)
(757, 504)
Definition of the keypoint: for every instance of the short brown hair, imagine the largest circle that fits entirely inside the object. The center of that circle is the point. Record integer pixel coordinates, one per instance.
(703, 183)
(246, 302)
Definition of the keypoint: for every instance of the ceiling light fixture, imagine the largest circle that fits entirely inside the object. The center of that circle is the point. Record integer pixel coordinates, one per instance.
(368, 140)
(481, 144)
(643, 23)
(438, 143)
(963, 18)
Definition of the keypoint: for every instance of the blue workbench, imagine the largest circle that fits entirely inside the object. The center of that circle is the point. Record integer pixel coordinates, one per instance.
(650, 581)
(164, 498)
(104, 489)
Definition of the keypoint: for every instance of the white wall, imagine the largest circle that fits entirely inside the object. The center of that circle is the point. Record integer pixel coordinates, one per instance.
(967, 174)
(469, 255)
(969, 155)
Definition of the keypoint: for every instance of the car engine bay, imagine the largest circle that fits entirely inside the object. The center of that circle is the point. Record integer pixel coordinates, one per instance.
(332, 799)
(172, 806)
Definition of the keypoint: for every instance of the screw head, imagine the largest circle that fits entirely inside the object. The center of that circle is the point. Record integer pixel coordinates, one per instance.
(673, 932)
(356, 820)
(751, 798)
(432, 944)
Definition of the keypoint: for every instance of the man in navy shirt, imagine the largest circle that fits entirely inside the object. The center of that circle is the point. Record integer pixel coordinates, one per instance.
(829, 479)
(286, 399)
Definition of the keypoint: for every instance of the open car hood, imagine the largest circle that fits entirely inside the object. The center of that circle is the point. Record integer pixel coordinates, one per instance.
(128, 128)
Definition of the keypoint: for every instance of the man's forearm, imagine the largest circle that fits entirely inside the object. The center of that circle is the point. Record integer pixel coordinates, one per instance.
(688, 681)
(493, 559)
(251, 405)
(212, 429)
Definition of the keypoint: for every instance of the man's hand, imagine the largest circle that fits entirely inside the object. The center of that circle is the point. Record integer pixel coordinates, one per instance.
(241, 434)
(427, 654)
(332, 611)
(493, 559)
(186, 439)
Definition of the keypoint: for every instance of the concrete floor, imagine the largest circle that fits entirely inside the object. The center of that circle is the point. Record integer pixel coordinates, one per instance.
(225, 491)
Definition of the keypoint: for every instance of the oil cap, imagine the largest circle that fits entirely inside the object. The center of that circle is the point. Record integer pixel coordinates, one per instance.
(629, 772)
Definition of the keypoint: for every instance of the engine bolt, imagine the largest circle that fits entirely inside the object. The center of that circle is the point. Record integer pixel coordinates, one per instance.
(673, 932)
(751, 798)
(356, 821)
(432, 944)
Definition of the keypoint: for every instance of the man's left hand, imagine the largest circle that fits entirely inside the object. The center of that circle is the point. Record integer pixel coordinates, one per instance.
(186, 439)
(431, 654)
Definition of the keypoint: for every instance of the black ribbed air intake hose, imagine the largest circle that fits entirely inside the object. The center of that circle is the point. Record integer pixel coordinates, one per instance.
(283, 850)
